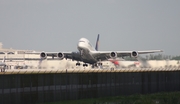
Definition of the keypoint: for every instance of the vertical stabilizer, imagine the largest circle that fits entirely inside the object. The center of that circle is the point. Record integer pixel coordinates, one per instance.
(97, 43)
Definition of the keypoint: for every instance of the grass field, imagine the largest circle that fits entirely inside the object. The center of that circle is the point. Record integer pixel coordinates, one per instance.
(158, 98)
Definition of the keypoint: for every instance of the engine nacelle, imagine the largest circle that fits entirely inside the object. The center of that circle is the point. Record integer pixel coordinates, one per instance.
(43, 55)
(113, 55)
(60, 55)
(134, 54)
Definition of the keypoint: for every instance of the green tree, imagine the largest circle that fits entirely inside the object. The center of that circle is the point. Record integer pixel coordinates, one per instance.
(176, 58)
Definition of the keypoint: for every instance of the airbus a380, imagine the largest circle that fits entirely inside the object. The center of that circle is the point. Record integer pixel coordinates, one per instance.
(90, 55)
(2, 63)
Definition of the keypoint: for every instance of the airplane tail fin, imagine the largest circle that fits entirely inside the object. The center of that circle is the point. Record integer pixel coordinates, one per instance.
(97, 43)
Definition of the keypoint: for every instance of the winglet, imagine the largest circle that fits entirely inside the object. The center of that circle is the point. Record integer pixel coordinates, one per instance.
(97, 43)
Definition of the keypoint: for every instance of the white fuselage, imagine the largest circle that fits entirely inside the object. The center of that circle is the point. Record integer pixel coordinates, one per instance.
(85, 49)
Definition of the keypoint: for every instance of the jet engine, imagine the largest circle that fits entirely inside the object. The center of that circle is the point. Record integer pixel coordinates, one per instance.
(60, 55)
(43, 55)
(113, 54)
(134, 54)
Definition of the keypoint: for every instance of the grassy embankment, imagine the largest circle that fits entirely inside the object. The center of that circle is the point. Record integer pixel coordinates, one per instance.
(158, 98)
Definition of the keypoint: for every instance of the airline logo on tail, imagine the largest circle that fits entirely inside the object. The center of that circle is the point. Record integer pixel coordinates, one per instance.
(97, 43)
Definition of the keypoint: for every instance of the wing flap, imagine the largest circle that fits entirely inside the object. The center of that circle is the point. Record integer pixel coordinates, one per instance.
(149, 51)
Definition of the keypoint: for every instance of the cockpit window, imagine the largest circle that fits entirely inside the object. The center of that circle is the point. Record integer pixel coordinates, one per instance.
(81, 41)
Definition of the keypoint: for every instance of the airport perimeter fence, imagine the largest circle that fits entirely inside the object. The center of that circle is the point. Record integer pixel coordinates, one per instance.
(84, 70)
(24, 88)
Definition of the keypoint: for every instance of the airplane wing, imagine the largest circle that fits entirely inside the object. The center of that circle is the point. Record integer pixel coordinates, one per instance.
(104, 55)
(59, 55)
(53, 54)
(48, 53)
(98, 55)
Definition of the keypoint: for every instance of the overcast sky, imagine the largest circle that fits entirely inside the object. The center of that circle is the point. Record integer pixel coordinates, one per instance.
(57, 25)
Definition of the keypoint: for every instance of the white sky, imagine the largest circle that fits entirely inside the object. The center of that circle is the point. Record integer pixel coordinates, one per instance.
(57, 25)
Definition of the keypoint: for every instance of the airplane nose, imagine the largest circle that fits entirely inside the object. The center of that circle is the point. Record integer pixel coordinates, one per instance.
(80, 45)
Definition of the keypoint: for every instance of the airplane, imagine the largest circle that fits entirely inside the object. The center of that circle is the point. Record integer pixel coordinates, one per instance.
(140, 62)
(3, 64)
(123, 63)
(116, 61)
(89, 55)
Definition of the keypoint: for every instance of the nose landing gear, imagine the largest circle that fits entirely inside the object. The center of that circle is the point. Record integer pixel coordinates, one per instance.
(84, 65)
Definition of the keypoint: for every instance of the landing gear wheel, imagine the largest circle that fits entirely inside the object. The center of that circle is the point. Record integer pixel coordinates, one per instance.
(78, 64)
(85, 65)
(100, 64)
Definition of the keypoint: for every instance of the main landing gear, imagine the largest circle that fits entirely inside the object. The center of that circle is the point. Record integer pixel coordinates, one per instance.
(84, 65)
(96, 65)
(78, 64)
